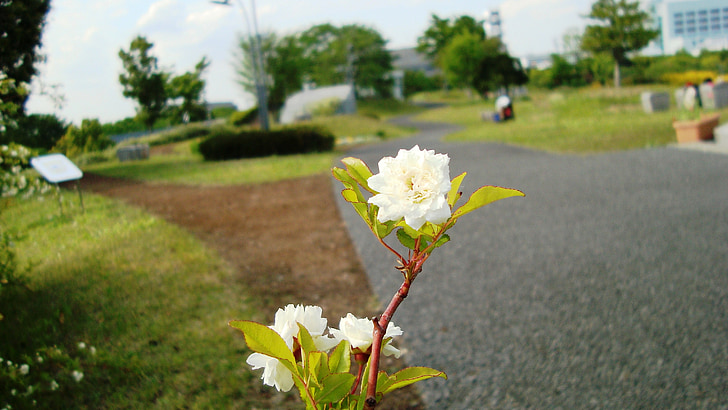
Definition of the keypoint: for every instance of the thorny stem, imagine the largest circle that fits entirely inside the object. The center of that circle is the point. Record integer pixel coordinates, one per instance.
(380, 328)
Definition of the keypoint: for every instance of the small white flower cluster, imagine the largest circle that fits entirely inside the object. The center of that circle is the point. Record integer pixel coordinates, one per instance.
(91, 349)
(23, 369)
(358, 332)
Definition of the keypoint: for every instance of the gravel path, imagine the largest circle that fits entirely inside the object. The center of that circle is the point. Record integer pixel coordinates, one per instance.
(605, 287)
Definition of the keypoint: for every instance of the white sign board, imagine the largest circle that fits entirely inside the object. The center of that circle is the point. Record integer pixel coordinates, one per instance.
(56, 168)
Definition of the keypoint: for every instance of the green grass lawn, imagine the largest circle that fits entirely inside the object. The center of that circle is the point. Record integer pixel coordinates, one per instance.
(185, 167)
(568, 121)
(153, 300)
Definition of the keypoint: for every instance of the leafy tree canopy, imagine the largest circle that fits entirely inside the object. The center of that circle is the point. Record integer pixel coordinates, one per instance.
(189, 87)
(144, 81)
(442, 31)
(324, 55)
(621, 27)
(21, 28)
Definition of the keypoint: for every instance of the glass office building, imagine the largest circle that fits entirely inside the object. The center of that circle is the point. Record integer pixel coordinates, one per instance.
(692, 25)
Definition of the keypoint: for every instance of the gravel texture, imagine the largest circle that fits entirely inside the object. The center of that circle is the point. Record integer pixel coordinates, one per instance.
(605, 287)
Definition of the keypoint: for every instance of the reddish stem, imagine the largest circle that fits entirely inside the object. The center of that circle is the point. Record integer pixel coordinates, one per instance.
(380, 328)
(358, 378)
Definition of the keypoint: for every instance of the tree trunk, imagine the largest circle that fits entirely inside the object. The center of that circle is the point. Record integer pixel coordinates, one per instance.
(617, 75)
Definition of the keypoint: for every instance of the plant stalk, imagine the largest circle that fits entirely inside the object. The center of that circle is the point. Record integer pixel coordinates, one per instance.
(380, 328)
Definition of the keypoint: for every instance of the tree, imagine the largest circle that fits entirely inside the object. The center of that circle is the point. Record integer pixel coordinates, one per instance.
(461, 59)
(282, 61)
(473, 62)
(144, 81)
(620, 29)
(324, 55)
(189, 87)
(442, 31)
(35, 131)
(350, 54)
(498, 70)
(21, 28)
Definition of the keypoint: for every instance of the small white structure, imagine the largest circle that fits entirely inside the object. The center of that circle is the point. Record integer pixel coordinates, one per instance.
(303, 104)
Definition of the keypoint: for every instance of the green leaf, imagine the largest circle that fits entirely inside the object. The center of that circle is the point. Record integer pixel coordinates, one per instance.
(382, 230)
(343, 177)
(318, 367)
(427, 230)
(445, 238)
(305, 339)
(455, 193)
(406, 240)
(484, 196)
(335, 388)
(340, 361)
(264, 340)
(359, 171)
(351, 196)
(383, 381)
(409, 375)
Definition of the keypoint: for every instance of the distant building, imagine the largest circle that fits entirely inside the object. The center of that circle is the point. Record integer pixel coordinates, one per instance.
(493, 25)
(692, 25)
(409, 59)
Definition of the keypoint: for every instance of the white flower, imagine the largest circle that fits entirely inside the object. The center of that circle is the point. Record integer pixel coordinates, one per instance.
(24, 369)
(92, 350)
(413, 185)
(81, 345)
(77, 376)
(275, 373)
(310, 317)
(359, 334)
(54, 385)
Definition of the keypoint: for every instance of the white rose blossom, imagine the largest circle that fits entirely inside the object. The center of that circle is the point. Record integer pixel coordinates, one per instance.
(275, 373)
(24, 369)
(77, 376)
(359, 333)
(413, 185)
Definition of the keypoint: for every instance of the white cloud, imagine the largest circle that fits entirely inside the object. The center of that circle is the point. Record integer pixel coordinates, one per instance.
(160, 13)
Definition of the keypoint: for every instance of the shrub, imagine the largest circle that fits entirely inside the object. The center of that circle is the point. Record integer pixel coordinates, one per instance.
(14, 159)
(241, 118)
(229, 143)
(90, 137)
(692, 76)
(35, 131)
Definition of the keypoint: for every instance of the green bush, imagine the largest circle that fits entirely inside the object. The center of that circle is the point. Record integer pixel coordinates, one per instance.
(90, 137)
(241, 118)
(229, 143)
(41, 131)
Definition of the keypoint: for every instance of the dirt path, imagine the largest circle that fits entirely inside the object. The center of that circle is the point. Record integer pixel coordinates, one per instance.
(286, 240)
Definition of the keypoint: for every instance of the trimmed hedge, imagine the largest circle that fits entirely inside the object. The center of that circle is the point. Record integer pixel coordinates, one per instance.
(231, 143)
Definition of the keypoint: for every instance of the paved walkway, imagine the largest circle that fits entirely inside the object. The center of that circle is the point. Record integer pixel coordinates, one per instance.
(605, 287)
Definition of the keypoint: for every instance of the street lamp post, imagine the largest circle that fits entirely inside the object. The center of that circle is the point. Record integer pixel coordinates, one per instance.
(261, 91)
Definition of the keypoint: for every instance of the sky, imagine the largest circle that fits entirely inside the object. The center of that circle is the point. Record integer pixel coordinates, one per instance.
(82, 39)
